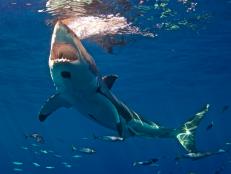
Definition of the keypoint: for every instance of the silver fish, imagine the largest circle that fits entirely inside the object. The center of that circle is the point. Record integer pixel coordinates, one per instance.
(151, 162)
(87, 150)
(37, 137)
(44, 151)
(109, 138)
(57, 156)
(17, 163)
(200, 155)
(17, 169)
(24, 148)
(83, 149)
(67, 165)
(77, 156)
(49, 167)
(36, 164)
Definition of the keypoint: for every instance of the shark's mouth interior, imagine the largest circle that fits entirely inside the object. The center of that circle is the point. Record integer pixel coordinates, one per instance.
(64, 52)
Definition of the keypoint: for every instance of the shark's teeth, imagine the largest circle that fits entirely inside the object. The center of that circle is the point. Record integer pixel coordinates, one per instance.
(62, 60)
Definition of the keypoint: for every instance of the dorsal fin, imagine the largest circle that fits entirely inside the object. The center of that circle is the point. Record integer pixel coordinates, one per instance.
(109, 80)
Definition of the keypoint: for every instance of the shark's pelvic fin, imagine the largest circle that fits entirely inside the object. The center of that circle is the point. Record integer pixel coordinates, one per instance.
(109, 80)
(186, 133)
(52, 104)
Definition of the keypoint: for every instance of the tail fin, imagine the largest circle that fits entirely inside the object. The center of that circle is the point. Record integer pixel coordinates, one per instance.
(186, 133)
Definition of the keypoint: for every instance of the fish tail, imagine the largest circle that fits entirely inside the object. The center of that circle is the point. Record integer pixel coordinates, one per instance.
(186, 133)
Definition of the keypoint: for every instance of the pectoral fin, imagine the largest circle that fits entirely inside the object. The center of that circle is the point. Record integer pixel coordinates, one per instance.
(52, 104)
(109, 80)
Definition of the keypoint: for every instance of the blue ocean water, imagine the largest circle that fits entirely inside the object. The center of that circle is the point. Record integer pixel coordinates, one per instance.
(165, 78)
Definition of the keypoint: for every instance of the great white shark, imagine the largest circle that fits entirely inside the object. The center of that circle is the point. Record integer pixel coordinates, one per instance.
(80, 85)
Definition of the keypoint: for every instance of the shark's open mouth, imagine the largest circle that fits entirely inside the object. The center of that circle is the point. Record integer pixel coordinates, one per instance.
(63, 52)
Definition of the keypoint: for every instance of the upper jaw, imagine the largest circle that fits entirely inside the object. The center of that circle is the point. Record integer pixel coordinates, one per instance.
(64, 47)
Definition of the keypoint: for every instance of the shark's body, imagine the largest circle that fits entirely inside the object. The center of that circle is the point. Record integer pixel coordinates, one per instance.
(80, 85)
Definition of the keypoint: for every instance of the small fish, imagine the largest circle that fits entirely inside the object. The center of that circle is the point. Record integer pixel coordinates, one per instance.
(87, 150)
(28, 4)
(109, 138)
(228, 143)
(40, 11)
(73, 148)
(17, 163)
(210, 126)
(77, 156)
(36, 164)
(49, 167)
(57, 156)
(34, 145)
(24, 148)
(44, 151)
(68, 166)
(200, 155)
(37, 137)
(225, 108)
(17, 170)
(151, 162)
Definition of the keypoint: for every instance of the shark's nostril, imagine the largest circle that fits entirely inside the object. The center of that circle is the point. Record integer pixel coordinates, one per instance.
(66, 74)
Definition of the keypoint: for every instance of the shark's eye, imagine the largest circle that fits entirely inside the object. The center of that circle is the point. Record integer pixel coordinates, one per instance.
(66, 74)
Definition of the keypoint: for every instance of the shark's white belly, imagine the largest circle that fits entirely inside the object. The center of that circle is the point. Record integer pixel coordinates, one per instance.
(98, 108)
(80, 91)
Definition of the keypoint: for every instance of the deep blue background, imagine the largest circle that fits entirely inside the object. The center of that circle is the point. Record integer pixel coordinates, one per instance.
(167, 79)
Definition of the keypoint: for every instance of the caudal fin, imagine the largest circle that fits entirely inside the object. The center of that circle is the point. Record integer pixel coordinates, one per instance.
(186, 133)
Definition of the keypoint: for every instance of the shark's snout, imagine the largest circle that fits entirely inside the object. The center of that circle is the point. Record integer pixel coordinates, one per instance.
(64, 47)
